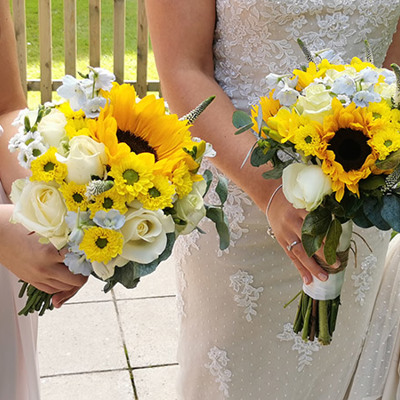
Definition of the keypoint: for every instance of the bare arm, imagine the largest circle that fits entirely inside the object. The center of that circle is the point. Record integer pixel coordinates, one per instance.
(40, 265)
(393, 54)
(182, 35)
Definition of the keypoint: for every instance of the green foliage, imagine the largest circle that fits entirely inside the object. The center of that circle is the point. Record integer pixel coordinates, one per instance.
(241, 121)
(216, 215)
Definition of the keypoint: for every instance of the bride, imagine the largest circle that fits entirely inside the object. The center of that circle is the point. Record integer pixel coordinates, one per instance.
(236, 340)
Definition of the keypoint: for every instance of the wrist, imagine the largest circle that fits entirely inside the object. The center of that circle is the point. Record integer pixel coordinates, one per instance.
(273, 195)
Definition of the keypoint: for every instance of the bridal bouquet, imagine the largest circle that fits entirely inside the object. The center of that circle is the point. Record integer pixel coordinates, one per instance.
(114, 179)
(331, 131)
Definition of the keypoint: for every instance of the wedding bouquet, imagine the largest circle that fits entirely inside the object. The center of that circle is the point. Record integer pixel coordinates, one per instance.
(331, 131)
(114, 179)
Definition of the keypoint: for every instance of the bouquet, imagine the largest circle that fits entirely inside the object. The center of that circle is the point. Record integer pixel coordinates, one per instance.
(331, 131)
(114, 179)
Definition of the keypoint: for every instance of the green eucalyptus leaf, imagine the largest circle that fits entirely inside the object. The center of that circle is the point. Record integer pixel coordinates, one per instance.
(332, 241)
(216, 215)
(260, 157)
(373, 182)
(361, 220)
(391, 211)
(317, 222)
(222, 189)
(208, 177)
(277, 171)
(390, 162)
(311, 243)
(241, 121)
(372, 208)
(129, 275)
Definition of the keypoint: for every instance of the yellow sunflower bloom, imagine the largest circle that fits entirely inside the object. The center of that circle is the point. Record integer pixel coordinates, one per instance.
(47, 168)
(133, 174)
(74, 196)
(159, 196)
(145, 126)
(101, 244)
(269, 108)
(108, 200)
(346, 150)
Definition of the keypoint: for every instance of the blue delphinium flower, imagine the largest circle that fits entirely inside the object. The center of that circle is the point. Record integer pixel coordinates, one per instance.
(77, 263)
(112, 219)
(344, 85)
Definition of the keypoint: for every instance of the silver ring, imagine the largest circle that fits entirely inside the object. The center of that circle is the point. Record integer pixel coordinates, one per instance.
(291, 245)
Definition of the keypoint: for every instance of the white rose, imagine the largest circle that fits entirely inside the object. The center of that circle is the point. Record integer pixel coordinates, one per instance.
(316, 102)
(40, 208)
(191, 208)
(386, 91)
(305, 186)
(52, 128)
(86, 158)
(104, 271)
(145, 236)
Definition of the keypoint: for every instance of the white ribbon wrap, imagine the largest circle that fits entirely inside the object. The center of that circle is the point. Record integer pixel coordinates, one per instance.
(328, 290)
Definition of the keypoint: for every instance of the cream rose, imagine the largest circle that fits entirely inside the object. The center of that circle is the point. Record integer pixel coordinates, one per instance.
(40, 208)
(191, 208)
(316, 102)
(305, 186)
(52, 128)
(86, 158)
(145, 236)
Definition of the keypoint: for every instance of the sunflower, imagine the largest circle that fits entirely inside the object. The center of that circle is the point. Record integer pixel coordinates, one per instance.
(47, 168)
(346, 151)
(133, 174)
(74, 196)
(160, 195)
(144, 125)
(108, 200)
(101, 244)
(269, 107)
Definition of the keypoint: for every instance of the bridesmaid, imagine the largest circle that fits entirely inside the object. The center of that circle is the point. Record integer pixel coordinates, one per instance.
(21, 255)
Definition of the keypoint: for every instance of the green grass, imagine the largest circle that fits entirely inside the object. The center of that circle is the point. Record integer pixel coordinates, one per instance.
(58, 72)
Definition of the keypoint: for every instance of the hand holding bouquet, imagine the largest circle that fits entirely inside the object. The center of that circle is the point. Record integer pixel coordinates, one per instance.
(331, 131)
(114, 180)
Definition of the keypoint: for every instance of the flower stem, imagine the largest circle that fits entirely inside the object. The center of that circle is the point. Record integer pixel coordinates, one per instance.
(324, 337)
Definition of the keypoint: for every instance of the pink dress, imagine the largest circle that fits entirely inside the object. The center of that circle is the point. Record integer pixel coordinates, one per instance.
(19, 378)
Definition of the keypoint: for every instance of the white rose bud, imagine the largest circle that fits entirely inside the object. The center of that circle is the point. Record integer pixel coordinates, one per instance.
(316, 102)
(305, 186)
(40, 208)
(85, 159)
(52, 128)
(191, 208)
(104, 271)
(145, 236)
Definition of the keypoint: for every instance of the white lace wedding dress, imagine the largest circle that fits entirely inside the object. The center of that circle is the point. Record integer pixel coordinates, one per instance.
(19, 378)
(236, 340)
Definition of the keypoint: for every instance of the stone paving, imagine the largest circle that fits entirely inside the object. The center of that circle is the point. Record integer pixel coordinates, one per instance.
(115, 346)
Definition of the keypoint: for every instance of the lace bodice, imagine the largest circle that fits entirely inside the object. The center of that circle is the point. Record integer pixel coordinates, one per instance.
(256, 37)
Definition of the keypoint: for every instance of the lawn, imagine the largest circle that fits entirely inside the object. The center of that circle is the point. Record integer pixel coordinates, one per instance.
(83, 40)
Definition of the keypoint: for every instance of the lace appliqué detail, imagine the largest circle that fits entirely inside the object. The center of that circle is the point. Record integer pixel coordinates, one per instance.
(305, 349)
(219, 361)
(247, 294)
(362, 281)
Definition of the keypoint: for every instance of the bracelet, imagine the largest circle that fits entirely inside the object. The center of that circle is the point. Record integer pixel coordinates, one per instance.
(269, 229)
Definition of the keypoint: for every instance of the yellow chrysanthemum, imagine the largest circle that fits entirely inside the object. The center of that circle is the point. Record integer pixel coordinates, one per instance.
(346, 146)
(101, 244)
(47, 168)
(386, 141)
(133, 174)
(108, 200)
(269, 107)
(286, 123)
(380, 110)
(145, 126)
(74, 196)
(76, 123)
(182, 179)
(160, 195)
(307, 139)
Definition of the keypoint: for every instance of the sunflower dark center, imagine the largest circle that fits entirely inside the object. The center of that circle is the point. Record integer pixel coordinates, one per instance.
(136, 143)
(350, 147)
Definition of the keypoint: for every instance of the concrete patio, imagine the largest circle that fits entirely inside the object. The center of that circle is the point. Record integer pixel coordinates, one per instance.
(115, 346)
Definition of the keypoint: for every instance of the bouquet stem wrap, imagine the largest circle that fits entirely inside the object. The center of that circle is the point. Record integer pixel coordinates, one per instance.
(319, 302)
